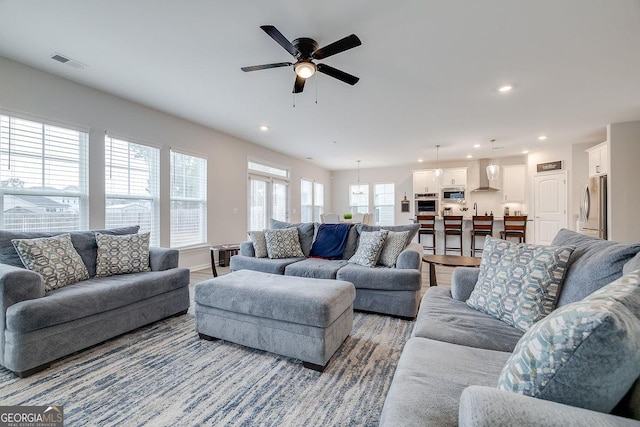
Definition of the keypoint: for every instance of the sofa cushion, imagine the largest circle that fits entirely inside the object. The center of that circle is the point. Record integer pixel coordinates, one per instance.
(265, 265)
(128, 253)
(519, 283)
(395, 243)
(594, 263)
(306, 232)
(443, 318)
(54, 258)
(585, 354)
(411, 228)
(92, 296)
(315, 268)
(83, 241)
(259, 243)
(381, 278)
(283, 243)
(330, 241)
(369, 248)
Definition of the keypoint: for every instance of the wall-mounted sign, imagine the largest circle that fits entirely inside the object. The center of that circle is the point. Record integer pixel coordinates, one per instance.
(404, 204)
(550, 166)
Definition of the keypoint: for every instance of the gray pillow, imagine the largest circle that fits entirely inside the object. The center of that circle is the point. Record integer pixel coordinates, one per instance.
(283, 243)
(593, 264)
(395, 243)
(585, 354)
(259, 243)
(352, 242)
(305, 232)
(369, 248)
(411, 228)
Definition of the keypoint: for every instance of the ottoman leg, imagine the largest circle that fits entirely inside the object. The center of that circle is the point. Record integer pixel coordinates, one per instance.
(319, 368)
(207, 337)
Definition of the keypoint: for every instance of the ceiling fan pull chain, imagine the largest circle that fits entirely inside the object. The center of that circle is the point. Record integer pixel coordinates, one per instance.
(293, 96)
(316, 79)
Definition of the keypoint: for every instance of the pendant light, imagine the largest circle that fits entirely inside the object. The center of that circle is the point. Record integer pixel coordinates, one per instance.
(437, 174)
(493, 170)
(359, 192)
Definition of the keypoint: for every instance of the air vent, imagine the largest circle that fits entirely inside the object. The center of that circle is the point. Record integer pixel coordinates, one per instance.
(67, 61)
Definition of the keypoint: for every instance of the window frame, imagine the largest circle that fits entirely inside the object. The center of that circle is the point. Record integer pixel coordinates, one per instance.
(376, 206)
(201, 200)
(358, 208)
(271, 180)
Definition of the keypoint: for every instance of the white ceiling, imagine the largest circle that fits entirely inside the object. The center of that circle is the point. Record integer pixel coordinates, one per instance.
(429, 69)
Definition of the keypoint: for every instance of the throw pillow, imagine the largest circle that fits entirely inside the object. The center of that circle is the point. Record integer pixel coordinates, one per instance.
(54, 258)
(122, 254)
(519, 283)
(369, 248)
(306, 232)
(259, 243)
(283, 243)
(393, 245)
(585, 354)
(411, 228)
(330, 241)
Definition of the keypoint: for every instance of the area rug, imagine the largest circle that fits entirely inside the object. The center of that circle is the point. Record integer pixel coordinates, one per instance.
(164, 375)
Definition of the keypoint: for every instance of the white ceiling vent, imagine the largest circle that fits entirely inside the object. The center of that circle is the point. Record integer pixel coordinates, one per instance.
(67, 61)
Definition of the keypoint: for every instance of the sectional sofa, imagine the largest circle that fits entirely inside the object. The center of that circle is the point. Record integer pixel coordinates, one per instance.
(458, 368)
(393, 291)
(38, 327)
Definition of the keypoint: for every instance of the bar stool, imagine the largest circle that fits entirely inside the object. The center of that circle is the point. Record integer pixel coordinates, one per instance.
(427, 227)
(515, 226)
(452, 227)
(482, 226)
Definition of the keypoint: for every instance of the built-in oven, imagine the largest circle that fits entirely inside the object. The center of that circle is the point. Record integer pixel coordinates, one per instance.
(453, 195)
(426, 203)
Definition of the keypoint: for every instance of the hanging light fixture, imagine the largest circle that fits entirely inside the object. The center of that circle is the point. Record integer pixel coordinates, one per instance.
(437, 174)
(493, 170)
(359, 192)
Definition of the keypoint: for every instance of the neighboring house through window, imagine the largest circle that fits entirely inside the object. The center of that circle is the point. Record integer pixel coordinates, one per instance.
(383, 201)
(312, 200)
(43, 176)
(268, 194)
(188, 199)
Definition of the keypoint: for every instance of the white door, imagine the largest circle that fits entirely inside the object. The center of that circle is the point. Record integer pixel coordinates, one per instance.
(550, 206)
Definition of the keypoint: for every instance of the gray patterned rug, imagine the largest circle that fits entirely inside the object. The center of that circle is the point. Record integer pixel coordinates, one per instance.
(163, 375)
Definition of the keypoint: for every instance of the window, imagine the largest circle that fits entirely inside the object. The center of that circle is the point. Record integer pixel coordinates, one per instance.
(43, 176)
(312, 200)
(188, 200)
(383, 201)
(359, 198)
(131, 186)
(268, 195)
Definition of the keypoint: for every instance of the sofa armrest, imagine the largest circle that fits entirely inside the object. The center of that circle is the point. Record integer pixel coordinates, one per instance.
(410, 257)
(18, 284)
(163, 258)
(246, 249)
(486, 406)
(463, 280)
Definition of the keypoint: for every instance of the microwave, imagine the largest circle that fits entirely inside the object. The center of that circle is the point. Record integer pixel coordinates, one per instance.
(453, 195)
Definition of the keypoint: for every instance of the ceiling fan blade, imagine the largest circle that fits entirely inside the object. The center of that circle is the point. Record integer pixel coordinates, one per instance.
(280, 39)
(338, 74)
(266, 66)
(341, 45)
(298, 86)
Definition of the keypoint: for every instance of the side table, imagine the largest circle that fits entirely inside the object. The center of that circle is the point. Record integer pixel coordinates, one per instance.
(448, 261)
(224, 255)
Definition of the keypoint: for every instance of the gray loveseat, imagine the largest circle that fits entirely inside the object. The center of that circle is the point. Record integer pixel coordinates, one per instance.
(37, 328)
(394, 291)
(449, 369)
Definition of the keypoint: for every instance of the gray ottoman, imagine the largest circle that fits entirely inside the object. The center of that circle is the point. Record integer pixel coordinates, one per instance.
(307, 319)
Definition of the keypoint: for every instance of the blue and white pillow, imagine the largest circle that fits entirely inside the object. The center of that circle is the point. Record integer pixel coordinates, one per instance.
(283, 243)
(369, 248)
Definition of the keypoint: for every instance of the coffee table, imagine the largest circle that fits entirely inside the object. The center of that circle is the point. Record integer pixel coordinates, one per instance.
(448, 261)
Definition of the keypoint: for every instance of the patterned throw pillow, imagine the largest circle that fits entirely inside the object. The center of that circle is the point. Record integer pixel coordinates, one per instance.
(283, 243)
(259, 243)
(519, 283)
(122, 254)
(369, 248)
(584, 354)
(54, 258)
(393, 245)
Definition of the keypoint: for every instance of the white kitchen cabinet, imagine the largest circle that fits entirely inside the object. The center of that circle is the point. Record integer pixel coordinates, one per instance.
(423, 182)
(513, 183)
(454, 177)
(599, 159)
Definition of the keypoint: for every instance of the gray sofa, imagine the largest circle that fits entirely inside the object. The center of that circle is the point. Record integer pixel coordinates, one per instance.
(448, 372)
(394, 291)
(37, 328)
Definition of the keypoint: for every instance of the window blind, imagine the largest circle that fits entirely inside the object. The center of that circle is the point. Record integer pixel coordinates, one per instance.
(384, 202)
(188, 199)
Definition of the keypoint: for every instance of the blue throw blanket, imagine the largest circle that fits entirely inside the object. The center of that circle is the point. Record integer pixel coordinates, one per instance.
(330, 241)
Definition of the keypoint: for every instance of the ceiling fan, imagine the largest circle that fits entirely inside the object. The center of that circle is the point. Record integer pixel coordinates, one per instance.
(305, 50)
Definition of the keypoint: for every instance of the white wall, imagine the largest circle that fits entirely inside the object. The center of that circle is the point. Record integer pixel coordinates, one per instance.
(623, 179)
(25, 90)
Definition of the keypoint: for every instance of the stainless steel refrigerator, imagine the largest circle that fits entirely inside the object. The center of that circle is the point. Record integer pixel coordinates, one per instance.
(593, 208)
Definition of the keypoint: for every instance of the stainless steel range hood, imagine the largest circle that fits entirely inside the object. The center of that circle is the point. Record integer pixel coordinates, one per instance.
(482, 179)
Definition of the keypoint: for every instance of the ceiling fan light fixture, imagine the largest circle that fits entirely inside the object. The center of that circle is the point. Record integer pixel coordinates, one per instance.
(305, 69)
(437, 174)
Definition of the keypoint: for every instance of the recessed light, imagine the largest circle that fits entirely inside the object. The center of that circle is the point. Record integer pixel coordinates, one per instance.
(420, 160)
(477, 146)
(505, 88)
(542, 137)
(469, 156)
(264, 128)
(525, 152)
